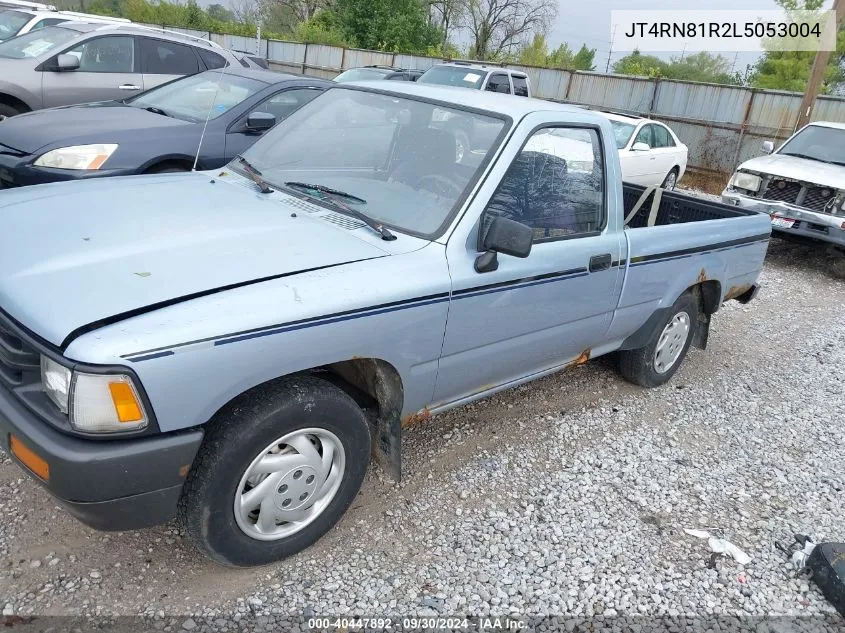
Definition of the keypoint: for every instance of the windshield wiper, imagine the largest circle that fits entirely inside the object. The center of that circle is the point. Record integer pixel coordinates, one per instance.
(324, 189)
(808, 157)
(386, 235)
(254, 174)
(156, 110)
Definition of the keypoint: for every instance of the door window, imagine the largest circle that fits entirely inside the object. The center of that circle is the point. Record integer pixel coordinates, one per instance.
(520, 85)
(662, 138)
(555, 185)
(499, 83)
(112, 54)
(645, 136)
(168, 58)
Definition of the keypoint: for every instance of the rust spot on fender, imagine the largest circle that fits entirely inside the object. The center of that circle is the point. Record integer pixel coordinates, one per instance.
(583, 357)
(737, 291)
(416, 418)
(702, 276)
(183, 470)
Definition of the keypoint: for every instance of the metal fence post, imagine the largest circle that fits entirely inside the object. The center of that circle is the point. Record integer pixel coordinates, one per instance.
(305, 59)
(744, 125)
(654, 95)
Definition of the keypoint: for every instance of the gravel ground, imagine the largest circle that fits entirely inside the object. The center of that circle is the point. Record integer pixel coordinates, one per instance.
(566, 496)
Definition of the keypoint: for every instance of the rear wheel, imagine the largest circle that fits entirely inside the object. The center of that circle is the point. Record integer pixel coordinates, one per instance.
(655, 363)
(671, 180)
(277, 469)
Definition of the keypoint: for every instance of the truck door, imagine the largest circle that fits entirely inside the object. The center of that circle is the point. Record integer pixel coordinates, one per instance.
(540, 312)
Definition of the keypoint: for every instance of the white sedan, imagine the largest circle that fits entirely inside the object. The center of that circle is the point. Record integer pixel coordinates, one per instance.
(650, 152)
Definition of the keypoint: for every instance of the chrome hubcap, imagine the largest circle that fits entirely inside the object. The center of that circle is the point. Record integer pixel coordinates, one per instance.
(460, 150)
(289, 484)
(670, 181)
(671, 342)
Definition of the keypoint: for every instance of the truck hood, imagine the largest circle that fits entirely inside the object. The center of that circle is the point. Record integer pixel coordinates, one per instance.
(812, 171)
(74, 254)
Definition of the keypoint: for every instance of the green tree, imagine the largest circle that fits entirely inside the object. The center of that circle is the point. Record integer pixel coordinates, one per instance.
(220, 13)
(790, 70)
(324, 28)
(584, 59)
(537, 54)
(638, 64)
(399, 25)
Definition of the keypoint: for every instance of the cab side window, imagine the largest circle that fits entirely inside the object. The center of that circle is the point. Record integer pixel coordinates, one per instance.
(168, 58)
(645, 135)
(283, 104)
(111, 54)
(520, 86)
(555, 185)
(499, 82)
(662, 138)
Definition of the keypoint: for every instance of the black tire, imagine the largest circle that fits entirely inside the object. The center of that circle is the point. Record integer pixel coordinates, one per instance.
(671, 176)
(167, 169)
(237, 435)
(638, 365)
(7, 111)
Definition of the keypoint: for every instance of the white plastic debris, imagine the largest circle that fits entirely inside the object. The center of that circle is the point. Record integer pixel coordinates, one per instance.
(799, 557)
(721, 546)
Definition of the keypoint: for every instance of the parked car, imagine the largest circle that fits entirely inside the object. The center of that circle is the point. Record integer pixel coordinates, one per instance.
(15, 22)
(478, 77)
(368, 73)
(77, 62)
(650, 151)
(25, 4)
(801, 185)
(156, 131)
(246, 337)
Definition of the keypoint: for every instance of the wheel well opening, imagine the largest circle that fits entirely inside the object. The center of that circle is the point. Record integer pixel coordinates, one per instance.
(179, 163)
(377, 387)
(14, 102)
(709, 294)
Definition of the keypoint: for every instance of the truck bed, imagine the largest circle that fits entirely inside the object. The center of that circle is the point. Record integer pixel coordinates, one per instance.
(676, 208)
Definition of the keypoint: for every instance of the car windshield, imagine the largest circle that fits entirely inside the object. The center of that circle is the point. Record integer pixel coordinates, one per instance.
(36, 43)
(818, 142)
(362, 74)
(453, 76)
(11, 22)
(622, 133)
(192, 98)
(393, 154)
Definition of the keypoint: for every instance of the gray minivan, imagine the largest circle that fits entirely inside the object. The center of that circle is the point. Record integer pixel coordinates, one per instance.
(77, 62)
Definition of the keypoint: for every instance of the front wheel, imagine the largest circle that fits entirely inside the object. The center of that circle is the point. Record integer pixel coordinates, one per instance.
(7, 111)
(655, 363)
(276, 470)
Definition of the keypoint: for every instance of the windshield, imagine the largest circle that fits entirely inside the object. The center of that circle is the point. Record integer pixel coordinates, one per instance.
(622, 133)
(362, 74)
(452, 76)
(11, 22)
(817, 142)
(391, 152)
(193, 97)
(36, 43)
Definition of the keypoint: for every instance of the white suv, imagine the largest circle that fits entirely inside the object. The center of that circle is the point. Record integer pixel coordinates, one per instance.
(18, 17)
(478, 77)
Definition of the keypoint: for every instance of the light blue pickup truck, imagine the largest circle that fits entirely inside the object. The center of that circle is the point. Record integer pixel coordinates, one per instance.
(231, 347)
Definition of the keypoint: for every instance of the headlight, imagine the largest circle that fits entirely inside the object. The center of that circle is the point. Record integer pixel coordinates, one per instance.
(96, 403)
(88, 157)
(749, 182)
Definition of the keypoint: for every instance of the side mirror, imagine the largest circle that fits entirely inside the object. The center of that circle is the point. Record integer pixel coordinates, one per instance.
(67, 62)
(768, 147)
(260, 121)
(640, 147)
(507, 237)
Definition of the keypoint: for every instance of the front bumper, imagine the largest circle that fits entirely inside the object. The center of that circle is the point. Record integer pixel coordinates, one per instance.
(17, 171)
(106, 484)
(808, 224)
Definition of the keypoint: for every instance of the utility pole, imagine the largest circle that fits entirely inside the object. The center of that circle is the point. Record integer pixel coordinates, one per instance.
(817, 73)
(610, 52)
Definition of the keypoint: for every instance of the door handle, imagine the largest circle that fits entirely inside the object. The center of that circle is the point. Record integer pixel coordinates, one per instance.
(128, 87)
(600, 262)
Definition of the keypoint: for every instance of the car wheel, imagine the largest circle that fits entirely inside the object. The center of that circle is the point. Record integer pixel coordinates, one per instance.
(655, 363)
(277, 469)
(462, 145)
(671, 180)
(7, 111)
